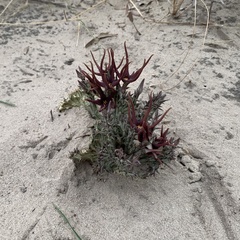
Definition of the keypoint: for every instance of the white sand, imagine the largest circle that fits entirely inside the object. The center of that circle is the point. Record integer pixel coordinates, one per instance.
(198, 200)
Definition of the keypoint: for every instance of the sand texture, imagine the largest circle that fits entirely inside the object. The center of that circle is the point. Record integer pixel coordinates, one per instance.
(42, 43)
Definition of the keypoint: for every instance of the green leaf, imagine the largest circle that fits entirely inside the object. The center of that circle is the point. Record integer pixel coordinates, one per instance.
(75, 99)
(8, 103)
(67, 221)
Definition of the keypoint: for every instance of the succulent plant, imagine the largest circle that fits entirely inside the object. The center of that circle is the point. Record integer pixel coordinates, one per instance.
(126, 137)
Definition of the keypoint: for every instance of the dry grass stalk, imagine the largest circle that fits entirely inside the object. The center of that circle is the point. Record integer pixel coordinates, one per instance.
(73, 19)
(78, 32)
(134, 5)
(4, 10)
(189, 48)
(176, 6)
(207, 23)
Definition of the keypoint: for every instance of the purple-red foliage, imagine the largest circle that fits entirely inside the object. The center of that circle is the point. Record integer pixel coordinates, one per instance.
(107, 79)
(142, 126)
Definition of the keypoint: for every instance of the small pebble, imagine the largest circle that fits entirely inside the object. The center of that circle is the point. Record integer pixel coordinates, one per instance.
(23, 189)
(185, 160)
(34, 155)
(230, 184)
(222, 174)
(197, 189)
(209, 163)
(195, 177)
(229, 136)
(193, 167)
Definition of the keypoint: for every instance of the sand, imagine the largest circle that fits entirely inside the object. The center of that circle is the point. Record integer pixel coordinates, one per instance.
(198, 198)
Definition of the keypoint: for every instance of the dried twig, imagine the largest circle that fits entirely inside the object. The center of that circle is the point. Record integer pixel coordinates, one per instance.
(204, 39)
(182, 62)
(188, 72)
(207, 23)
(176, 6)
(73, 19)
(4, 10)
(134, 5)
(130, 17)
(98, 38)
(78, 32)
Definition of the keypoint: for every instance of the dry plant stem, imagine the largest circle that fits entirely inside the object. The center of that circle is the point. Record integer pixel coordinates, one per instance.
(188, 50)
(207, 24)
(134, 5)
(79, 24)
(149, 19)
(145, 19)
(194, 29)
(130, 16)
(4, 10)
(176, 6)
(168, 22)
(195, 19)
(17, 10)
(76, 18)
(204, 39)
(195, 16)
(65, 16)
(93, 6)
(210, 10)
(183, 77)
(184, 9)
(182, 62)
(78, 33)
